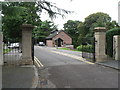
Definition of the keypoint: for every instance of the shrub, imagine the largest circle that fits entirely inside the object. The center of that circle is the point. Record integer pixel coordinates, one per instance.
(86, 48)
(6, 50)
(109, 40)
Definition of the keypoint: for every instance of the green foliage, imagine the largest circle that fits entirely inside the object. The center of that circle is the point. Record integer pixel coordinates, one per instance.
(6, 50)
(87, 45)
(98, 19)
(109, 40)
(11, 29)
(17, 13)
(43, 30)
(86, 48)
(27, 11)
(69, 49)
(65, 48)
(14, 15)
(71, 28)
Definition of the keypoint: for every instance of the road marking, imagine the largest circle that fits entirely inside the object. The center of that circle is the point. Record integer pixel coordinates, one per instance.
(38, 62)
(73, 56)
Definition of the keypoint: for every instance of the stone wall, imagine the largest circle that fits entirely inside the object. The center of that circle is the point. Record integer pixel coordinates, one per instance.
(116, 47)
(1, 48)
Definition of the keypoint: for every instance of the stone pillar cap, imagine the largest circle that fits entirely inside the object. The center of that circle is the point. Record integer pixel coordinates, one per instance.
(100, 29)
(27, 26)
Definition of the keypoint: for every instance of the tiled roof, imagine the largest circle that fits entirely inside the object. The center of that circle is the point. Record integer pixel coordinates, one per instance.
(53, 34)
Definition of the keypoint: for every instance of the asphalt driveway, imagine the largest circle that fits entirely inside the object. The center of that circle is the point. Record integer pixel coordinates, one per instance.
(62, 71)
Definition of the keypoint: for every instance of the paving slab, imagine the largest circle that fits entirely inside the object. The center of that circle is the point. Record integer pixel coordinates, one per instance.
(18, 77)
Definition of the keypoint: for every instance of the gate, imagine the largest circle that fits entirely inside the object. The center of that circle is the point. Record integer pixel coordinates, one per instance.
(88, 48)
(33, 42)
(12, 50)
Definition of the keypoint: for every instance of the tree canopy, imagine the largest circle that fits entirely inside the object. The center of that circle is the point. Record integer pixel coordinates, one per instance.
(43, 30)
(18, 13)
(79, 30)
(98, 19)
(71, 28)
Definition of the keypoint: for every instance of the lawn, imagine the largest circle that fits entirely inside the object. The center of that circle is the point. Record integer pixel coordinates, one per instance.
(69, 49)
(6, 50)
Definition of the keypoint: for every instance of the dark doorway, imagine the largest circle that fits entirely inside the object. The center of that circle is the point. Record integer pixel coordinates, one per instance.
(59, 42)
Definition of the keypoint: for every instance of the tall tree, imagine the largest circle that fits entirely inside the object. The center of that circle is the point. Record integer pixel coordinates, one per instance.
(17, 13)
(71, 28)
(43, 30)
(98, 19)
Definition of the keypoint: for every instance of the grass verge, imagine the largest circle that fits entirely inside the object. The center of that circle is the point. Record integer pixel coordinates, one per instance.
(6, 50)
(69, 49)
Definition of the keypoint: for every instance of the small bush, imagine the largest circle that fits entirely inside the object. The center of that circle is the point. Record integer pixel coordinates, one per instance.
(86, 48)
(6, 50)
(109, 40)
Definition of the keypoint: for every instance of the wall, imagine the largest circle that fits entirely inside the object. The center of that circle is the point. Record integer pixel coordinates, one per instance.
(116, 47)
(49, 43)
(1, 48)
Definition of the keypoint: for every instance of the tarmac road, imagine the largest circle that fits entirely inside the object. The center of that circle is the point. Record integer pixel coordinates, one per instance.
(62, 71)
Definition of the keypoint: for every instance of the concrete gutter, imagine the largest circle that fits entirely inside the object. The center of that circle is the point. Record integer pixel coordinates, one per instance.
(36, 78)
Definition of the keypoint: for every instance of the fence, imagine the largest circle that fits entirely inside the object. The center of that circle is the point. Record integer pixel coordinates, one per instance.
(12, 52)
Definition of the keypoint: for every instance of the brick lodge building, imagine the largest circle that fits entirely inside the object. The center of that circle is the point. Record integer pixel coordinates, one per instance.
(59, 38)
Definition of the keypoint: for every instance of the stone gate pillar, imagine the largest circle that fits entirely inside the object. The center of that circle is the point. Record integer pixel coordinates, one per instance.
(1, 48)
(119, 13)
(100, 41)
(116, 47)
(27, 44)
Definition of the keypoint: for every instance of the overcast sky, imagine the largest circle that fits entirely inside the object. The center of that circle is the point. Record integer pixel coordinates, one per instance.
(83, 8)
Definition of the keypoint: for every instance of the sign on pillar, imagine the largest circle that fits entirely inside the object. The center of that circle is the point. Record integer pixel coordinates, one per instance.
(27, 44)
(100, 41)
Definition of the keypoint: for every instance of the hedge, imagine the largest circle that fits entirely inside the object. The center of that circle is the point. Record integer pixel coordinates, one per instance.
(109, 40)
(86, 48)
